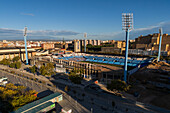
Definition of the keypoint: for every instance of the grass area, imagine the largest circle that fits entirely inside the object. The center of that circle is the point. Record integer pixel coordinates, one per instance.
(129, 67)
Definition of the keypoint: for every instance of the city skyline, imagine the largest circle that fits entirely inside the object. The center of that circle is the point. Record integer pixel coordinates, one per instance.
(70, 19)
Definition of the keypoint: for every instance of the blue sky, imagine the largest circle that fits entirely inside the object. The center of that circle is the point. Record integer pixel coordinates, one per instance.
(101, 19)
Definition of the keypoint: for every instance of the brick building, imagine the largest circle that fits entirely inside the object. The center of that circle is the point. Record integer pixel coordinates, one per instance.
(47, 45)
(119, 44)
(151, 42)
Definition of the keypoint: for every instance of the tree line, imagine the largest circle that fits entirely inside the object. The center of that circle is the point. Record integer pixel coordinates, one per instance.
(13, 63)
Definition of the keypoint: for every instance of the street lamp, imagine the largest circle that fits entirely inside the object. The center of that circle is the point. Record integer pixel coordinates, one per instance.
(127, 25)
(85, 36)
(25, 40)
(160, 41)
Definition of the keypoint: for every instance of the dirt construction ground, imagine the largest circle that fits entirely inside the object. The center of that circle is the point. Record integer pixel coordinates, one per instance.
(149, 93)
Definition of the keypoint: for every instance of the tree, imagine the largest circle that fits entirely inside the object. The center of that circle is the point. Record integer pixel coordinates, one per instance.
(18, 65)
(75, 78)
(118, 85)
(12, 65)
(14, 97)
(50, 69)
(15, 59)
(43, 70)
(47, 70)
(33, 69)
(11, 86)
(89, 46)
(66, 88)
(21, 89)
(5, 61)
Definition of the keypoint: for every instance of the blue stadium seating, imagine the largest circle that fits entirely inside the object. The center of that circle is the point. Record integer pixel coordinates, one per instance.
(109, 60)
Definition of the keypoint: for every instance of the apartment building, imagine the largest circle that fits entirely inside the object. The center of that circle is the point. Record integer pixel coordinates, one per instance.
(151, 42)
(47, 45)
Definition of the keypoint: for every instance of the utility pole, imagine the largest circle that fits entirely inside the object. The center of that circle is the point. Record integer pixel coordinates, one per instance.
(25, 40)
(160, 41)
(127, 24)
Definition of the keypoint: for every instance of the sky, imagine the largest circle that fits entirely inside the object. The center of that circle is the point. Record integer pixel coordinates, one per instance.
(100, 19)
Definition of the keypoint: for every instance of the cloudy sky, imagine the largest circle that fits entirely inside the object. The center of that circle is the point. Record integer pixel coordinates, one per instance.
(101, 19)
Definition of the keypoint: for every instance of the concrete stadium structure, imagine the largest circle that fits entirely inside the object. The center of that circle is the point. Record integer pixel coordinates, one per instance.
(10, 53)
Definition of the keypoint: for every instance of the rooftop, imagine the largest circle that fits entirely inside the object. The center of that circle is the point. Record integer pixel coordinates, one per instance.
(38, 103)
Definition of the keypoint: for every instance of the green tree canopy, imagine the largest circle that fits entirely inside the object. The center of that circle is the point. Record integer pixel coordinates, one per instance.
(5, 61)
(75, 76)
(18, 65)
(47, 70)
(12, 65)
(118, 85)
(33, 69)
(16, 59)
(14, 97)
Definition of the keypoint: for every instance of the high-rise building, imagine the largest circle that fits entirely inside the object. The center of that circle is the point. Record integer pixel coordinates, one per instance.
(77, 46)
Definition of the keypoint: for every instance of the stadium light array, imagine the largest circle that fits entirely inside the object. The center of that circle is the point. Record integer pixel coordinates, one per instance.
(127, 25)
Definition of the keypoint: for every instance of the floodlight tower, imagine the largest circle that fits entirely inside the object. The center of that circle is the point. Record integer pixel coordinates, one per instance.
(25, 40)
(127, 25)
(160, 41)
(85, 36)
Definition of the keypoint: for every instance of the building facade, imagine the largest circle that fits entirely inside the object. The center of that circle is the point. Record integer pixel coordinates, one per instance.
(151, 42)
(79, 44)
(47, 45)
(10, 53)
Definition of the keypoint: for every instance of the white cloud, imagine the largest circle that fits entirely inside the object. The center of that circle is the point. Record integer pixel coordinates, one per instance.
(137, 32)
(28, 14)
(13, 34)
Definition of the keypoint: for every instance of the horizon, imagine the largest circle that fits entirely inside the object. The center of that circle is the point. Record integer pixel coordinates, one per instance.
(69, 39)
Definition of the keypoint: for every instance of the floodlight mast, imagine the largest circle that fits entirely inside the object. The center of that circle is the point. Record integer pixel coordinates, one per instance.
(85, 36)
(25, 40)
(127, 25)
(160, 41)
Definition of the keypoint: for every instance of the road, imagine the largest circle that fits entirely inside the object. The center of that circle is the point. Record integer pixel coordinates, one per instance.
(23, 81)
